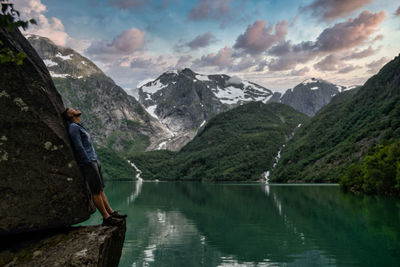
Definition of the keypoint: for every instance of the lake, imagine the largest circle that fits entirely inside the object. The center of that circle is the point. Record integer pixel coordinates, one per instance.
(206, 224)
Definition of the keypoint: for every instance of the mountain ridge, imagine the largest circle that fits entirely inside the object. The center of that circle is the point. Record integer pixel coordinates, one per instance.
(342, 132)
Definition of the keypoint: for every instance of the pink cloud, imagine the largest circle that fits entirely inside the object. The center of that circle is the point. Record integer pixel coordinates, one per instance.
(183, 61)
(348, 68)
(126, 43)
(329, 10)
(362, 54)
(351, 33)
(378, 38)
(223, 58)
(376, 65)
(397, 13)
(340, 37)
(258, 38)
(329, 63)
(300, 72)
(200, 41)
(51, 28)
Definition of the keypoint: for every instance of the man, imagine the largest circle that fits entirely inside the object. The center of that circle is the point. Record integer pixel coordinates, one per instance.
(87, 159)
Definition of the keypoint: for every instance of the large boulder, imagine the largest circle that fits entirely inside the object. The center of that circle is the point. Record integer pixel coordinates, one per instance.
(41, 185)
(78, 246)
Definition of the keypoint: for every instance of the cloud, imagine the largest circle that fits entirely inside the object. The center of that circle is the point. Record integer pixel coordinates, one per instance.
(200, 41)
(258, 38)
(340, 37)
(143, 63)
(329, 10)
(126, 43)
(351, 33)
(210, 9)
(329, 63)
(362, 54)
(299, 53)
(397, 13)
(51, 28)
(378, 38)
(223, 58)
(348, 68)
(300, 72)
(183, 62)
(375, 66)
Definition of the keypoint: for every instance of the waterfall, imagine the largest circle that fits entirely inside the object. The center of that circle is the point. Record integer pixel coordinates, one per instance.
(138, 172)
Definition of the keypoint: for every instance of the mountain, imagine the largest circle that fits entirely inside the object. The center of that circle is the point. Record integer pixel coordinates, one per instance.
(342, 132)
(309, 96)
(239, 144)
(184, 101)
(114, 118)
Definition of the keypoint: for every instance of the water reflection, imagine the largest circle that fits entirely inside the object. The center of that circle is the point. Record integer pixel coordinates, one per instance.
(200, 224)
(133, 196)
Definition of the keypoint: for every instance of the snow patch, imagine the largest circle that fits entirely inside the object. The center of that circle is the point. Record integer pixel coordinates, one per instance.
(314, 88)
(172, 72)
(266, 99)
(234, 80)
(229, 95)
(59, 75)
(308, 81)
(347, 88)
(154, 87)
(151, 110)
(162, 145)
(67, 57)
(203, 78)
(50, 63)
(204, 122)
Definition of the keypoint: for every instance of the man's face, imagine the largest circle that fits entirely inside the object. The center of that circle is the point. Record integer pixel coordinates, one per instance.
(72, 112)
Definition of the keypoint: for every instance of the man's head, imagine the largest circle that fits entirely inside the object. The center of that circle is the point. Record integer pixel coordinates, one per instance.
(71, 115)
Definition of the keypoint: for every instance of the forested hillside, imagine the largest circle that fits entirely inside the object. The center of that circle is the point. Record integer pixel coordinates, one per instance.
(239, 144)
(343, 132)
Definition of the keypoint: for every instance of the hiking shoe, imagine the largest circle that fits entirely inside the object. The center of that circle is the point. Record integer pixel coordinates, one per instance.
(115, 214)
(112, 221)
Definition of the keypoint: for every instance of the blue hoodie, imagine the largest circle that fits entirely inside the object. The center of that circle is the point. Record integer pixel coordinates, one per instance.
(82, 144)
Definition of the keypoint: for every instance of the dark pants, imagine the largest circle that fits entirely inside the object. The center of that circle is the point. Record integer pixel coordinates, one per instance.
(93, 176)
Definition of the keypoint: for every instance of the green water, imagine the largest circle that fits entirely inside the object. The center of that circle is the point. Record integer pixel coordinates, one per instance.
(204, 224)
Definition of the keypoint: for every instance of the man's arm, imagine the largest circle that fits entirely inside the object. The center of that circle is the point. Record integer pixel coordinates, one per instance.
(76, 139)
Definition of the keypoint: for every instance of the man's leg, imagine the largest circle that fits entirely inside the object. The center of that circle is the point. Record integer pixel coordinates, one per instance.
(105, 201)
(99, 203)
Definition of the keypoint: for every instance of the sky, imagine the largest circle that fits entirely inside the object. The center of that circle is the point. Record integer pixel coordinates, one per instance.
(275, 43)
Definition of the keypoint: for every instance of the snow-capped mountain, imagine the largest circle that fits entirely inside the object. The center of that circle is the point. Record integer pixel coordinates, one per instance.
(309, 96)
(184, 100)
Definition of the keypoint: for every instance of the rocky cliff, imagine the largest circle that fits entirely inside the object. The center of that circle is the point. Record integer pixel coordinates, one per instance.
(77, 246)
(41, 187)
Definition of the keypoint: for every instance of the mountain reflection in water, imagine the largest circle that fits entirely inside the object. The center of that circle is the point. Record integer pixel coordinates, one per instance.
(205, 224)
